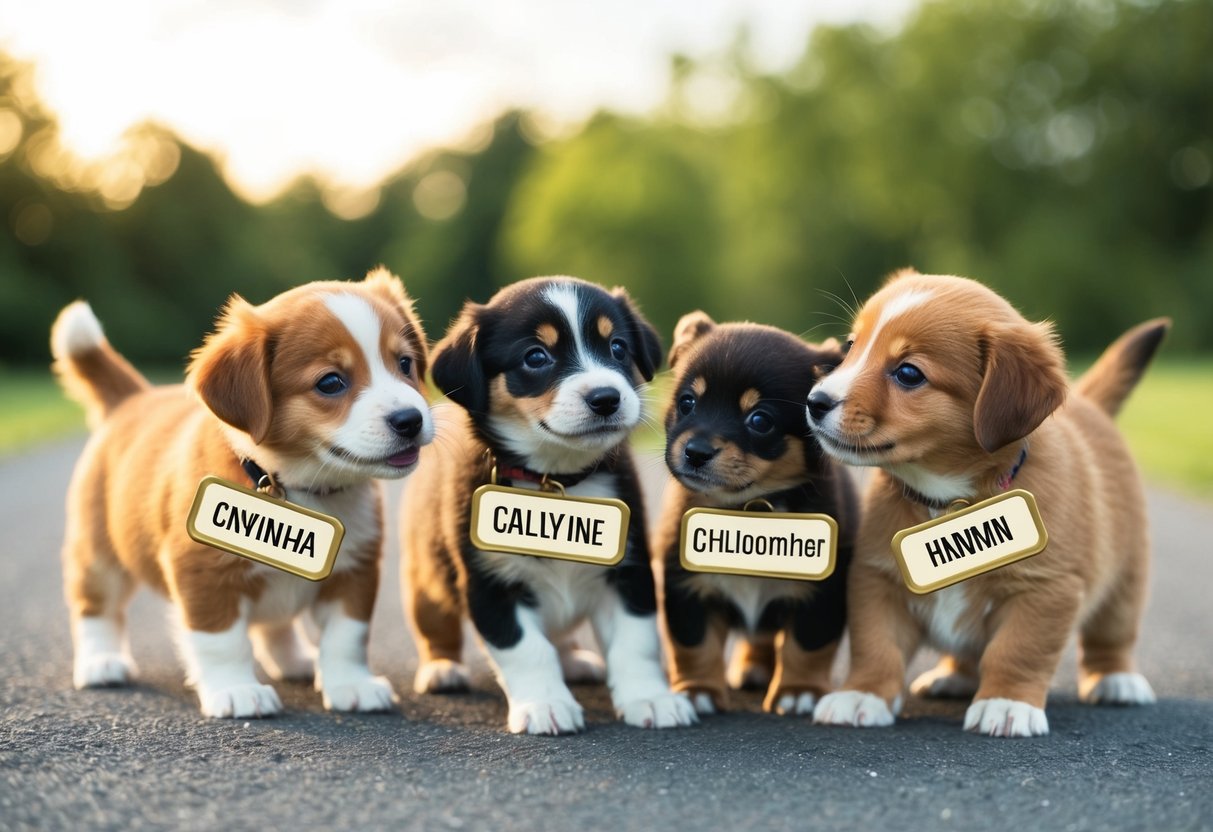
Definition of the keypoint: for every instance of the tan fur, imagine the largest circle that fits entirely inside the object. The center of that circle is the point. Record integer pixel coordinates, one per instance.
(605, 326)
(548, 335)
(993, 379)
(690, 328)
(136, 481)
(749, 399)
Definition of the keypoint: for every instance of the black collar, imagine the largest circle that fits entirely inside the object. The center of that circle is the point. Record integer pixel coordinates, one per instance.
(1004, 482)
(268, 483)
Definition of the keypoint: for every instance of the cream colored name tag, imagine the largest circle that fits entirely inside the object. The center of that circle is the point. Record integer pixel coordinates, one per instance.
(765, 544)
(522, 522)
(971, 541)
(274, 532)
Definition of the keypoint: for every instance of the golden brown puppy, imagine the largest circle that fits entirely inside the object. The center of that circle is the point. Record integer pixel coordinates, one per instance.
(319, 387)
(952, 394)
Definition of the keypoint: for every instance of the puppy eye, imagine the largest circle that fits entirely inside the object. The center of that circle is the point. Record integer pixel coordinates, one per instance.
(686, 404)
(909, 376)
(406, 365)
(619, 349)
(332, 384)
(760, 422)
(537, 358)
(846, 348)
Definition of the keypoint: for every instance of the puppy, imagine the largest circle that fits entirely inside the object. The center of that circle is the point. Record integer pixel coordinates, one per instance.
(546, 375)
(736, 431)
(952, 394)
(319, 388)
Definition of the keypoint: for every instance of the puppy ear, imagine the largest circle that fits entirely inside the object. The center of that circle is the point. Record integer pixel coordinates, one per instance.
(646, 345)
(390, 287)
(230, 371)
(689, 329)
(457, 369)
(1025, 381)
(826, 356)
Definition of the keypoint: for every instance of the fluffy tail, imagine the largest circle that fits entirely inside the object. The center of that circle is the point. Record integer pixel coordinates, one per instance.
(1112, 378)
(90, 370)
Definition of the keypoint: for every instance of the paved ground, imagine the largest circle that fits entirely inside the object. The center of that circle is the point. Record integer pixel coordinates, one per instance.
(144, 758)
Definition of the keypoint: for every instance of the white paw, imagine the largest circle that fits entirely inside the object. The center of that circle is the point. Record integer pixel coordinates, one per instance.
(1006, 718)
(102, 670)
(441, 676)
(795, 704)
(939, 684)
(560, 716)
(1121, 689)
(702, 703)
(853, 707)
(240, 701)
(667, 710)
(370, 694)
(581, 666)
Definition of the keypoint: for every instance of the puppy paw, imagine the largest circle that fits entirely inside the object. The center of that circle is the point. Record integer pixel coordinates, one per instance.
(559, 716)
(240, 702)
(667, 710)
(790, 703)
(441, 676)
(102, 670)
(704, 702)
(582, 667)
(1006, 718)
(853, 707)
(371, 694)
(938, 683)
(1120, 689)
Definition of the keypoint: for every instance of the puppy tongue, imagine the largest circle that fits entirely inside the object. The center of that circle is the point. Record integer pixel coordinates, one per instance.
(404, 458)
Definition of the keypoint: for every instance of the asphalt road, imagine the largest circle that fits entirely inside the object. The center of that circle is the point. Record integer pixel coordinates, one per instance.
(144, 757)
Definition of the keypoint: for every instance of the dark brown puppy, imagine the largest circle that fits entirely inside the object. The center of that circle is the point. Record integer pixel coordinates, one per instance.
(736, 431)
(545, 376)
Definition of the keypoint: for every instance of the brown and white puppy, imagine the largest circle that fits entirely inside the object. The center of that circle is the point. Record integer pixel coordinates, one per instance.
(546, 377)
(736, 431)
(319, 387)
(952, 394)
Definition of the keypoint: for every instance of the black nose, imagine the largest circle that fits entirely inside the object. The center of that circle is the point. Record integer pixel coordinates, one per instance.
(820, 404)
(603, 400)
(699, 452)
(406, 423)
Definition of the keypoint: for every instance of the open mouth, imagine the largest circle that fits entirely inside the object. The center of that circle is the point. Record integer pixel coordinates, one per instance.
(400, 459)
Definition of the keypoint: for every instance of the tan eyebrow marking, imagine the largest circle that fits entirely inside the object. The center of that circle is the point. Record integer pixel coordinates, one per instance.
(547, 334)
(699, 386)
(605, 327)
(750, 399)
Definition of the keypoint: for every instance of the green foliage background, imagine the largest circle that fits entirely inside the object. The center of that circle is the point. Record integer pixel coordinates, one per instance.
(1059, 151)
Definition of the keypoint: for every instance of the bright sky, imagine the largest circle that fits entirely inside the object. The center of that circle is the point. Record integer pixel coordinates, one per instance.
(353, 89)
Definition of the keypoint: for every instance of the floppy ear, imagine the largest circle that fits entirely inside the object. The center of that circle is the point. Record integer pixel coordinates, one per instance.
(689, 329)
(1025, 381)
(230, 371)
(826, 356)
(457, 370)
(646, 345)
(390, 287)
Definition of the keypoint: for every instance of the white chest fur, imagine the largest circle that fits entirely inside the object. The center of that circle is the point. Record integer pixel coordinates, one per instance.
(565, 591)
(949, 621)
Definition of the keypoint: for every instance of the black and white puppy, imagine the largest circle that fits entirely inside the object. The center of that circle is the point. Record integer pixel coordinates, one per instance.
(736, 431)
(546, 376)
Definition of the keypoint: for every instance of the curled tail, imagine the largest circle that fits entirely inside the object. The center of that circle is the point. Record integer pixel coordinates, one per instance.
(1112, 378)
(90, 370)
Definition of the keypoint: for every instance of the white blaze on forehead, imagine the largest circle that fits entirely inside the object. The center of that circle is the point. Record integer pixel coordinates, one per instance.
(838, 384)
(366, 432)
(564, 298)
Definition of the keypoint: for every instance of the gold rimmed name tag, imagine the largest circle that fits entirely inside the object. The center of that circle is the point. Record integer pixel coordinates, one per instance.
(268, 530)
(524, 522)
(968, 542)
(765, 544)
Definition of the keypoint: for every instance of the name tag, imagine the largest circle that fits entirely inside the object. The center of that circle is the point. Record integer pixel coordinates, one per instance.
(971, 541)
(765, 544)
(274, 532)
(522, 522)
